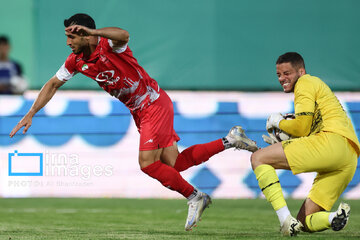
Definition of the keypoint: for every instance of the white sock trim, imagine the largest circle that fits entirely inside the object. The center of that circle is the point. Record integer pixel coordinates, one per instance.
(194, 196)
(282, 214)
(227, 143)
(331, 216)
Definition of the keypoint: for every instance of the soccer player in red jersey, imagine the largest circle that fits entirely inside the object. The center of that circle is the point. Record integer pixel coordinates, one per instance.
(104, 55)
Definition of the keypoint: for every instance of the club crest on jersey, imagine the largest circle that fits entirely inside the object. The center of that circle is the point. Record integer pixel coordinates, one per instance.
(84, 67)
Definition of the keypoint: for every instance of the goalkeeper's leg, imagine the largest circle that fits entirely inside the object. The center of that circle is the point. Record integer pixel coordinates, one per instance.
(264, 163)
(316, 219)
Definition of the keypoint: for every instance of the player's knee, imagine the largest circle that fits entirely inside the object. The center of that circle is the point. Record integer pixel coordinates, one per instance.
(305, 228)
(148, 157)
(301, 217)
(145, 161)
(256, 159)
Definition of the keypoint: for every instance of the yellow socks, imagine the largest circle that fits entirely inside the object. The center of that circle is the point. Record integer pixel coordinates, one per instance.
(318, 221)
(270, 185)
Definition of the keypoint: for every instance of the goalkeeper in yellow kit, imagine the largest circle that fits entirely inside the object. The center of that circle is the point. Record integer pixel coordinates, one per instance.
(325, 143)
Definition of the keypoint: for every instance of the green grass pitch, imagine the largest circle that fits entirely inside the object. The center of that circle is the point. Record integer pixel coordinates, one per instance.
(69, 218)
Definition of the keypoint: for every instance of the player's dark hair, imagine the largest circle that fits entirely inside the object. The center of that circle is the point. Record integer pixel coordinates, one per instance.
(4, 39)
(294, 58)
(80, 19)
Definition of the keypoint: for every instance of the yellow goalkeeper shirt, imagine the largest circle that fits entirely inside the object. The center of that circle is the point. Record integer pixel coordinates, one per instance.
(314, 98)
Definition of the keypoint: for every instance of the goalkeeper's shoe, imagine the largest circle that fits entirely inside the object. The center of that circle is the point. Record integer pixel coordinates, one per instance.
(341, 218)
(291, 227)
(239, 140)
(196, 208)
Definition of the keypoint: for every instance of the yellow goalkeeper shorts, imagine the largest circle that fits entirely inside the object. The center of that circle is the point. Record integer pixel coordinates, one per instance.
(331, 156)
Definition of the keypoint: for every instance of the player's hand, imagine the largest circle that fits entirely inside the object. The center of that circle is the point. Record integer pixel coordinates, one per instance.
(24, 122)
(80, 30)
(271, 139)
(273, 121)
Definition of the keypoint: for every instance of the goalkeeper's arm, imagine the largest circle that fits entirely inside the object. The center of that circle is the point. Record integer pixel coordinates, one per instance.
(298, 127)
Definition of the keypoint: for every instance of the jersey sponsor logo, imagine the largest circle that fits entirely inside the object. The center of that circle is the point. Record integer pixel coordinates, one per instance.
(105, 76)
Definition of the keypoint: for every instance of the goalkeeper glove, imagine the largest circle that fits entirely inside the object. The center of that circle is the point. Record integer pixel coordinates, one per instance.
(271, 139)
(273, 121)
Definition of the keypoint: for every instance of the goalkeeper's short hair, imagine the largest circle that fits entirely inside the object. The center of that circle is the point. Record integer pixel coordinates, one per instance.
(294, 58)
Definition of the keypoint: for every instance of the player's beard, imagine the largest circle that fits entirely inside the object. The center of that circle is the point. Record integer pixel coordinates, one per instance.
(83, 48)
(78, 48)
(296, 78)
(77, 51)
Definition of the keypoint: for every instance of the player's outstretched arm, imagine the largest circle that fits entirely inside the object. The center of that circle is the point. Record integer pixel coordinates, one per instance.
(117, 35)
(45, 94)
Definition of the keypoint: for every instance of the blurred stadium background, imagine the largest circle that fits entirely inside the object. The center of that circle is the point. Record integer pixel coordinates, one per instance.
(216, 58)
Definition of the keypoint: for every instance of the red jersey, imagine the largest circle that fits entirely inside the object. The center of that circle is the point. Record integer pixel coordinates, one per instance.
(116, 71)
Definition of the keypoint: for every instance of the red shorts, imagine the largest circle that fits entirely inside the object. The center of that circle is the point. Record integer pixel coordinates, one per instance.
(156, 124)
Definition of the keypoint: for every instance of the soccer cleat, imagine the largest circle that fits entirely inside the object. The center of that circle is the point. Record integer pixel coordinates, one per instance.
(196, 208)
(291, 227)
(341, 218)
(239, 140)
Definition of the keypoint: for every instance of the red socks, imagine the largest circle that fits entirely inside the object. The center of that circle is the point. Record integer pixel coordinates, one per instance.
(194, 155)
(197, 154)
(169, 177)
